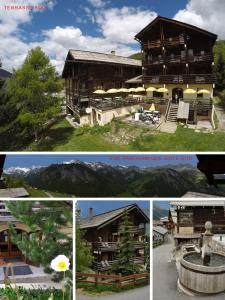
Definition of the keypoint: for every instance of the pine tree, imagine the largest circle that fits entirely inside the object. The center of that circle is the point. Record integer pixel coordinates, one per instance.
(47, 240)
(83, 252)
(35, 87)
(125, 258)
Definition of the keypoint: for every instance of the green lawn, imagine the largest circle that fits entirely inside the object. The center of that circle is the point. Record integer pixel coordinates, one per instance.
(63, 137)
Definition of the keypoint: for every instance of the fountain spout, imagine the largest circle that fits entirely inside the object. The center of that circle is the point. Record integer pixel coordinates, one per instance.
(207, 244)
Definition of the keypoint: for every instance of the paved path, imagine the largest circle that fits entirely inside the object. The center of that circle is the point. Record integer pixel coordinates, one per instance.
(136, 294)
(169, 127)
(165, 277)
(220, 116)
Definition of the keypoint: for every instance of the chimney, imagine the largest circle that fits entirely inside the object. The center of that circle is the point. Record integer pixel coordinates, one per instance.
(113, 52)
(91, 213)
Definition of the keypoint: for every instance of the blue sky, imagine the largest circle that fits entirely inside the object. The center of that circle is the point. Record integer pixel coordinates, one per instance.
(142, 160)
(104, 206)
(94, 25)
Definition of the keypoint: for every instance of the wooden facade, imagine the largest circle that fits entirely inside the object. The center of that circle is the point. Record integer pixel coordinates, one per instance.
(84, 72)
(104, 238)
(192, 216)
(178, 56)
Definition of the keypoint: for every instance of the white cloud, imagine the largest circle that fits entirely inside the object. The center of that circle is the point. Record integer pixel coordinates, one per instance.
(98, 3)
(207, 14)
(117, 27)
(121, 25)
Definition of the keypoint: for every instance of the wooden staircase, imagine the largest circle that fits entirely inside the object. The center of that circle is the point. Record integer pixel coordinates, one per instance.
(172, 115)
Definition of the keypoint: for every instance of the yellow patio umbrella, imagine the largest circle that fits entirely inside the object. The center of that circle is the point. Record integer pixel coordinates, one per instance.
(123, 90)
(99, 92)
(203, 91)
(140, 89)
(151, 89)
(162, 90)
(132, 90)
(112, 91)
(152, 108)
(189, 91)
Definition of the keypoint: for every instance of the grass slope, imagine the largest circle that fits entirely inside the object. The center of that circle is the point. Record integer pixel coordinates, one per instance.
(63, 137)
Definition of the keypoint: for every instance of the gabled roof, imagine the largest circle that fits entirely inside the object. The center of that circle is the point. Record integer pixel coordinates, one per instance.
(13, 193)
(136, 79)
(79, 55)
(103, 219)
(5, 74)
(160, 230)
(208, 203)
(200, 195)
(172, 21)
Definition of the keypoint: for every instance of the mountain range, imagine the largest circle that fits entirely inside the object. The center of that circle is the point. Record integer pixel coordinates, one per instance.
(87, 179)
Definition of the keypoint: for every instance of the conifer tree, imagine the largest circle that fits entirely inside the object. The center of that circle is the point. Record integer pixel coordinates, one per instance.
(47, 239)
(125, 258)
(83, 252)
(35, 87)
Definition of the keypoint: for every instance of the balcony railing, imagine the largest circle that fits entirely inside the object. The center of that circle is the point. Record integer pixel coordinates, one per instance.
(178, 59)
(76, 109)
(191, 78)
(199, 103)
(107, 264)
(112, 104)
(113, 246)
(170, 42)
(132, 229)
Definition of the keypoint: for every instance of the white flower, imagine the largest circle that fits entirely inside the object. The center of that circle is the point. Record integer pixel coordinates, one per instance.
(60, 263)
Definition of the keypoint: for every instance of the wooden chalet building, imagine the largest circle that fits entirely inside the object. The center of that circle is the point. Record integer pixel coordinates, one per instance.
(8, 250)
(84, 72)
(191, 217)
(179, 56)
(103, 233)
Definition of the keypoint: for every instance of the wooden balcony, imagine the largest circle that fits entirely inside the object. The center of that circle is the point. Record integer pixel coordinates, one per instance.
(132, 229)
(170, 42)
(191, 78)
(113, 246)
(107, 265)
(177, 59)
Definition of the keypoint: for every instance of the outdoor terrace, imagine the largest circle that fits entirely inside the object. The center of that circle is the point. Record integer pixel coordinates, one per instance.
(191, 78)
(112, 103)
(169, 42)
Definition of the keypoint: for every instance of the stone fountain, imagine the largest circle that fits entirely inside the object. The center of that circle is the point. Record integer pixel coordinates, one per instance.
(203, 272)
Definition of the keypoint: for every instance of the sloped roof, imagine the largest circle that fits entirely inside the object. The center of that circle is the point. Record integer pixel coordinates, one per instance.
(137, 79)
(200, 195)
(80, 55)
(189, 26)
(101, 219)
(13, 193)
(5, 74)
(160, 230)
(209, 203)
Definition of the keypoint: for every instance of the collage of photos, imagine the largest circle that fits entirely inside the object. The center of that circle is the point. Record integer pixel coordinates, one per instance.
(112, 150)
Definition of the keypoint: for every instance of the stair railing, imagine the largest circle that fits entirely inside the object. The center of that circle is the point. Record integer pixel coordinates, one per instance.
(168, 109)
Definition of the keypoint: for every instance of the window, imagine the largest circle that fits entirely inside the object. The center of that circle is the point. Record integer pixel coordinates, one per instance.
(99, 117)
(186, 217)
(157, 94)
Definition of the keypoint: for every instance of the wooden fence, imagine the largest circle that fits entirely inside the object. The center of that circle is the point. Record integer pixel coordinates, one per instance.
(104, 279)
